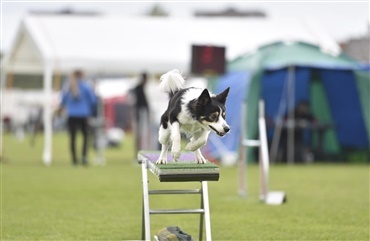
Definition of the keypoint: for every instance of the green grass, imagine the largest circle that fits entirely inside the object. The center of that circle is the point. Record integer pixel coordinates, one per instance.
(61, 202)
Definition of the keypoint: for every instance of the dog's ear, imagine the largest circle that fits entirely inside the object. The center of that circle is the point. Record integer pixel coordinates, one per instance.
(204, 98)
(223, 96)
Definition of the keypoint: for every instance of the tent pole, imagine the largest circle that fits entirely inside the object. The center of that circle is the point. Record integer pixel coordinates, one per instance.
(279, 123)
(48, 131)
(291, 90)
(276, 140)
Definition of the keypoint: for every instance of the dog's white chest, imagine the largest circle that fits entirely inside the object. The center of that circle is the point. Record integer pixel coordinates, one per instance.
(190, 129)
(187, 124)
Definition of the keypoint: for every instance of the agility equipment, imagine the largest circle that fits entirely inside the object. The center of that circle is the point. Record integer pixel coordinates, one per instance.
(273, 197)
(184, 170)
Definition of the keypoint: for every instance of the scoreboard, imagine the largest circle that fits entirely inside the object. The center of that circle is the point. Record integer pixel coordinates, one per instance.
(207, 59)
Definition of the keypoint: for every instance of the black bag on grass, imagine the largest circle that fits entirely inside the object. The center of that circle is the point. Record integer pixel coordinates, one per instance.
(173, 233)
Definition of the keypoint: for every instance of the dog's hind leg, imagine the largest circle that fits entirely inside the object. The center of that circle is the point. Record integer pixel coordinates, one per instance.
(164, 139)
(176, 141)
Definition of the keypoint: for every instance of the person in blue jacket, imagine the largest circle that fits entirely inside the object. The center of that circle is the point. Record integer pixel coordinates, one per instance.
(78, 100)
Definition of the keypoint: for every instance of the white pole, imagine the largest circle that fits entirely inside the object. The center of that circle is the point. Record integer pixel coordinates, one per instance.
(264, 155)
(243, 157)
(48, 130)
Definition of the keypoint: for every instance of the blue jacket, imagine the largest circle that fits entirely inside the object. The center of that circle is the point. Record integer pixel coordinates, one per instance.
(82, 105)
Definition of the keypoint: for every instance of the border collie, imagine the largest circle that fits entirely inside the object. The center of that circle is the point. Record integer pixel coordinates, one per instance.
(192, 111)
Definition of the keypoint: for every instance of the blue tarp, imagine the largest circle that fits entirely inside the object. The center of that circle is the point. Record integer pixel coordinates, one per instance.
(238, 82)
(344, 102)
(274, 88)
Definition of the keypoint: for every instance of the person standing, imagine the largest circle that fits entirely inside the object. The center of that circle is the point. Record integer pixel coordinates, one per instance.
(78, 100)
(141, 114)
(304, 123)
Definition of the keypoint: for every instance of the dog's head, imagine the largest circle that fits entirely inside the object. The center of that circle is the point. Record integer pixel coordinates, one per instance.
(211, 111)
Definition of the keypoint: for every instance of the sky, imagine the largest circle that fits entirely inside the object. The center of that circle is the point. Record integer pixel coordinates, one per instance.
(342, 19)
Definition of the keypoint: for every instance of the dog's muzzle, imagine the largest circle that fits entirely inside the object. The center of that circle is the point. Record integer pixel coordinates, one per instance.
(226, 129)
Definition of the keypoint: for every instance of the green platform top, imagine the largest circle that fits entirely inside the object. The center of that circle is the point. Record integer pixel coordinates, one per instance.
(184, 170)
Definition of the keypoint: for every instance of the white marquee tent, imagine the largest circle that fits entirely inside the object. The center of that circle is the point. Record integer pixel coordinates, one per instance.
(48, 44)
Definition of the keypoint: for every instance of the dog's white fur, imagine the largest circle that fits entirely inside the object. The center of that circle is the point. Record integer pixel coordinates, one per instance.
(198, 132)
(172, 81)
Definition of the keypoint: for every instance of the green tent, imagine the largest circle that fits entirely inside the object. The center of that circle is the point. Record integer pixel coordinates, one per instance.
(336, 87)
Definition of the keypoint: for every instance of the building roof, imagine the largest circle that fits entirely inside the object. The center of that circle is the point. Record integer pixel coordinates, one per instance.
(128, 45)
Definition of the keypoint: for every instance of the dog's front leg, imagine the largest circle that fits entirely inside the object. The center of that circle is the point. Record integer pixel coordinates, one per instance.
(197, 141)
(163, 156)
(176, 141)
(163, 138)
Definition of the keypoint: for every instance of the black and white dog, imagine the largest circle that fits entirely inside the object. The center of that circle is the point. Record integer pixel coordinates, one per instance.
(193, 111)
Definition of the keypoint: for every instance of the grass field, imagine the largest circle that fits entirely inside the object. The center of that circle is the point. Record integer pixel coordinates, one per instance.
(61, 202)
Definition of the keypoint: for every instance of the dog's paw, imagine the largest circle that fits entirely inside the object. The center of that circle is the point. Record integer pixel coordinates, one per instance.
(176, 152)
(175, 155)
(161, 161)
(201, 160)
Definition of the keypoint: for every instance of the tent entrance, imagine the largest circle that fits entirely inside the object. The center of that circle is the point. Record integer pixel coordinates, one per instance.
(333, 99)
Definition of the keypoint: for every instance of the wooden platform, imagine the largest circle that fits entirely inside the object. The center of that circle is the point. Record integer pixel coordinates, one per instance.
(185, 170)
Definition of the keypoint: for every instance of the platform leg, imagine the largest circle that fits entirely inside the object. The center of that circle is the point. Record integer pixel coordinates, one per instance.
(146, 220)
(201, 223)
(142, 221)
(206, 210)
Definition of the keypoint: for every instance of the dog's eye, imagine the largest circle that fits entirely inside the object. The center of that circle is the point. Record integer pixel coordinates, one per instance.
(214, 116)
(224, 115)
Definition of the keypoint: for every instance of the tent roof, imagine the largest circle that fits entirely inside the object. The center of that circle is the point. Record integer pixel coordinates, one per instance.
(282, 54)
(112, 44)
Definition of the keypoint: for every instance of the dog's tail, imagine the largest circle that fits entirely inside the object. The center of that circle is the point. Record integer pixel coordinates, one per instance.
(172, 82)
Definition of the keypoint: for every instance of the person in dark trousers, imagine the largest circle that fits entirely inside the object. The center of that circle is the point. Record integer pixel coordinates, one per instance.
(141, 109)
(304, 119)
(78, 100)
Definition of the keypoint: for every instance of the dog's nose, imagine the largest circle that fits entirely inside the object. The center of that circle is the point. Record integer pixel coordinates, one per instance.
(226, 129)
